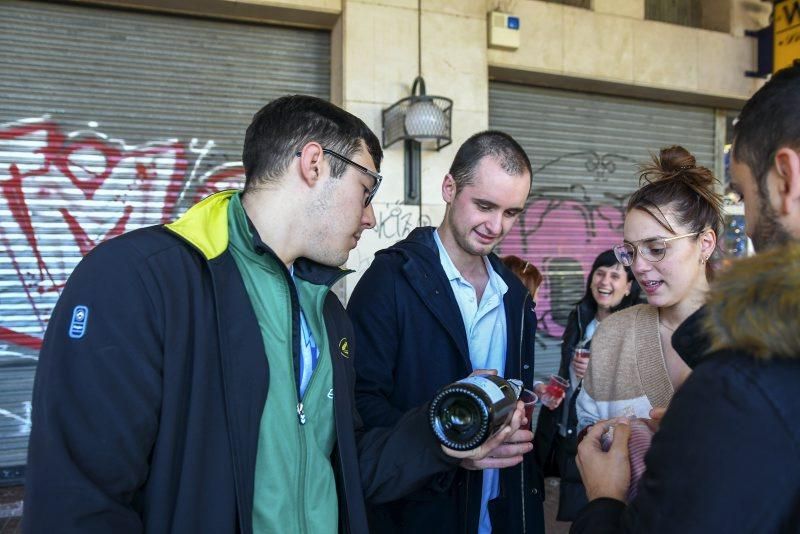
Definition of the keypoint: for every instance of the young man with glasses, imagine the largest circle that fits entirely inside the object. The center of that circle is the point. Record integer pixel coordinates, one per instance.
(433, 308)
(725, 458)
(197, 376)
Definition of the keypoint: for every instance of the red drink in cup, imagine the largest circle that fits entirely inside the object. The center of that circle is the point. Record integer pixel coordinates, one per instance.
(554, 390)
(530, 399)
(583, 352)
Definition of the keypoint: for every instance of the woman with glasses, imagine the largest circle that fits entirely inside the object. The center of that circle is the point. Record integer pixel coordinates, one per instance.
(670, 231)
(610, 287)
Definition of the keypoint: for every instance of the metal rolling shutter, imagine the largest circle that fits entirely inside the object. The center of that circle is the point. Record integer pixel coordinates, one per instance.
(111, 120)
(584, 149)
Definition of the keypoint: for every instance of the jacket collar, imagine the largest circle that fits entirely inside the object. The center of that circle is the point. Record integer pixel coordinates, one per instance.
(424, 272)
(205, 227)
(754, 305)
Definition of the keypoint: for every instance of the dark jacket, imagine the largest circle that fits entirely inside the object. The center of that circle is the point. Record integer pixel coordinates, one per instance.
(149, 419)
(727, 455)
(556, 454)
(414, 342)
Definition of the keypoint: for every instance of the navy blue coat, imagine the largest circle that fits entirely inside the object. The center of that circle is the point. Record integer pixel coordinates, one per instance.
(148, 420)
(413, 342)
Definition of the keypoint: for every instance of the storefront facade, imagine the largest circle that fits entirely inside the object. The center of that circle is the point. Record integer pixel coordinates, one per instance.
(120, 114)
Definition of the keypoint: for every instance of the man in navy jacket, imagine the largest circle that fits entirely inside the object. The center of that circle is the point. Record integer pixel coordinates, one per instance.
(727, 455)
(437, 306)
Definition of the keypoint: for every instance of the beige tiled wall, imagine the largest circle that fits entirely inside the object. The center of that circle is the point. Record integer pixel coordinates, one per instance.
(326, 5)
(614, 43)
(621, 8)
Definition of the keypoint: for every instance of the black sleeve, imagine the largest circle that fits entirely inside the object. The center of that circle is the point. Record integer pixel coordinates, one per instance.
(568, 342)
(601, 516)
(691, 340)
(399, 460)
(719, 463)
(373, 312)
(96, 401)
(394, 461)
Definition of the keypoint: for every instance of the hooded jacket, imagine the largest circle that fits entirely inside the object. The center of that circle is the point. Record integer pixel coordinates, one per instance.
(727, 455)
(150, 387)
(413, 343)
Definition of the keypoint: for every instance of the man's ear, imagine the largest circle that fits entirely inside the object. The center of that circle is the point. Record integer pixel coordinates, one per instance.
(448, 189)
(310, 163)
(787, 170)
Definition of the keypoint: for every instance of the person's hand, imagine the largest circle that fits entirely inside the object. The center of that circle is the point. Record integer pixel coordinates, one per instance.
(605, 474)
(552, 403)
(579, 365)
(477, 372)
(656, 415)
(504, 449)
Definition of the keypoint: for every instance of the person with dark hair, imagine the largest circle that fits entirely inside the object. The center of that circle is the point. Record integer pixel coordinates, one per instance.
(610, 286)
(436, 306)
(725, 458)
(528, 274)
(670, 231)
(197, 376)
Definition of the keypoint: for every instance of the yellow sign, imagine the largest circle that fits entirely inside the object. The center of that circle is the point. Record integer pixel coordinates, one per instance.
(786, 17)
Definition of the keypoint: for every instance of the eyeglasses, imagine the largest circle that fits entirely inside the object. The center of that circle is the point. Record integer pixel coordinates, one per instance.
(375, 176)
(653, 249)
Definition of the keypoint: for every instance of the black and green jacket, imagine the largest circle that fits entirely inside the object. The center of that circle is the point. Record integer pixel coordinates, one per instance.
(146, 411)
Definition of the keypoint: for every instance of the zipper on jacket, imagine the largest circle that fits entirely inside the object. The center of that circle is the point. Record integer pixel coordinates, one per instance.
(522, 465)
(301, 506)
(301, 415)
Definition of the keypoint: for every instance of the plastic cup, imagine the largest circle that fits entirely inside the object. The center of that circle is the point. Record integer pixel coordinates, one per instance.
(529, 399)
(582, 352)
(554, 390)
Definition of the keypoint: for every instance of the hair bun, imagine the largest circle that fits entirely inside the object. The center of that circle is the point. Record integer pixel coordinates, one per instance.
(675, 163)
(674, 159)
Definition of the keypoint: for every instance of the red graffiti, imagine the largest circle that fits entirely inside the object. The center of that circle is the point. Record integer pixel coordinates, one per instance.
(89, 187)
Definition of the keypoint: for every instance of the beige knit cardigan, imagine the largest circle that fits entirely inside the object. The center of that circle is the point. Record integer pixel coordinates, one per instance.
(627, 372)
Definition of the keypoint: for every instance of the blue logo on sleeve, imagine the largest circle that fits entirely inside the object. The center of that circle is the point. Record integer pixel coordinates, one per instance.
(77, 327)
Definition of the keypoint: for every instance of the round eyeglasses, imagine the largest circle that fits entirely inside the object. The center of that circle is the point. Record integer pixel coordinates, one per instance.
(653, 249)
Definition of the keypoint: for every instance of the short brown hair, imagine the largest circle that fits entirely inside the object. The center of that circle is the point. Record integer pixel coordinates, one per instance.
(525, 271)
(491, 143)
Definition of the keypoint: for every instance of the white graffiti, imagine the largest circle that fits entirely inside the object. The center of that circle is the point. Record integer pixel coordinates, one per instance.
(24, 420)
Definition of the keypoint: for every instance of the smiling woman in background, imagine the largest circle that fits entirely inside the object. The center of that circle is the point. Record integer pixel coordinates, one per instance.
(670, 231)
(609, 287)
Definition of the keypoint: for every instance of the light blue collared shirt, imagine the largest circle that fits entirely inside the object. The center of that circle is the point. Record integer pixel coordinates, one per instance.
(485, 324)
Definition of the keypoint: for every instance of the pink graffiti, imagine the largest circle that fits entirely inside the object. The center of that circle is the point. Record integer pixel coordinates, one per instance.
(89, 187)
(556, 228)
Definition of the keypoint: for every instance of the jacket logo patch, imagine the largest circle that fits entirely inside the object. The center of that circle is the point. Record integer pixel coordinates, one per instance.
(77, 326)
(344, 347)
